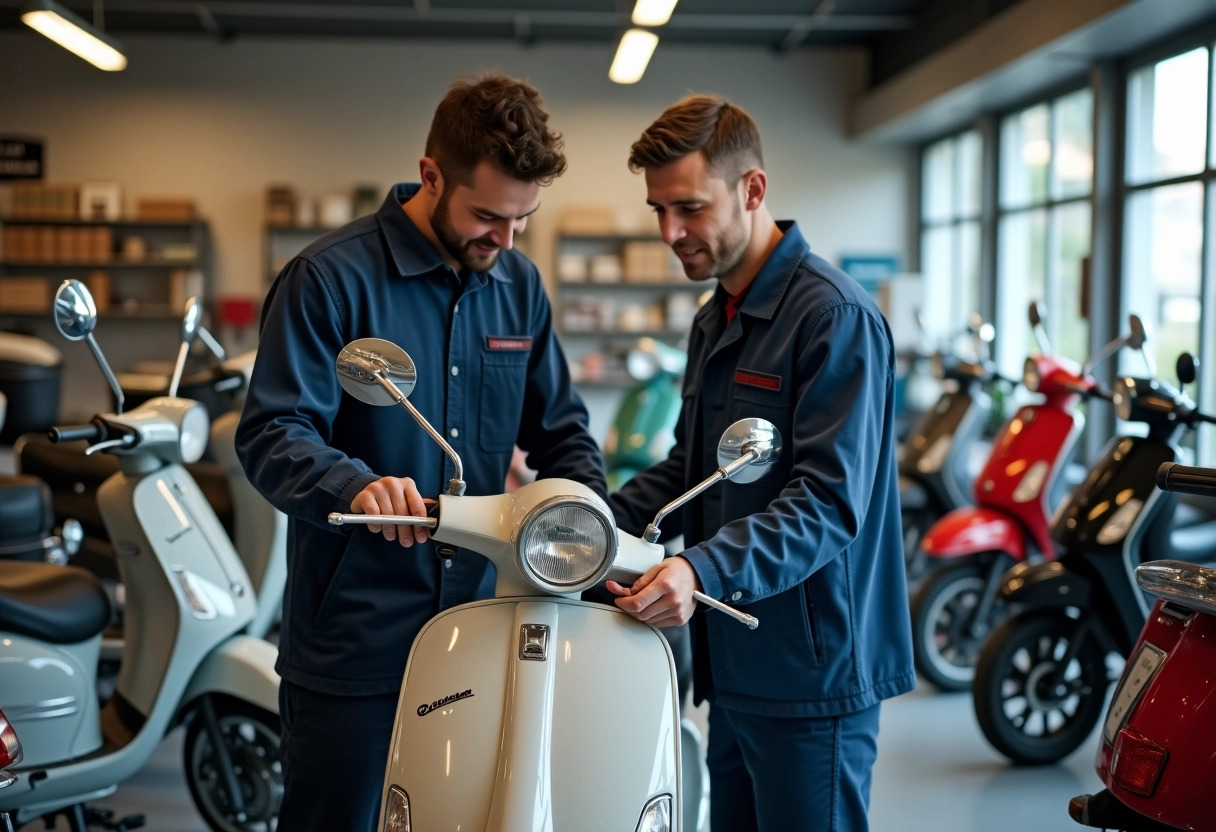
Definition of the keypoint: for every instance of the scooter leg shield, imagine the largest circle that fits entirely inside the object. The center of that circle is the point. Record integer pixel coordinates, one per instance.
(536, 714)
(241, 667)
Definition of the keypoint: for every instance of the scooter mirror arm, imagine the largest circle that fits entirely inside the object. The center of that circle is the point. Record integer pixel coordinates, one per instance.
(339, 519)
(749, 455)
(456, 485)
(208, 339)
(178, 367)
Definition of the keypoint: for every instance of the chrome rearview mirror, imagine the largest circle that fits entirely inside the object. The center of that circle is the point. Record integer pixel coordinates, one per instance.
(747, 451)
(75, 316)
(75, 312)
(380, 373)
(1137, 334)
(1035, 315)
(191, 323)
(364, 365)
(749, 436)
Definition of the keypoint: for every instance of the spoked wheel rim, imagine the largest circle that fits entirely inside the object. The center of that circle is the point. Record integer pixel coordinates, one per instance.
(254, 749)
(948, 640)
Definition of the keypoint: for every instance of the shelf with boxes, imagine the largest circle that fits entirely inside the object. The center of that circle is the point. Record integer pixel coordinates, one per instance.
(141, 268)
(613, 288)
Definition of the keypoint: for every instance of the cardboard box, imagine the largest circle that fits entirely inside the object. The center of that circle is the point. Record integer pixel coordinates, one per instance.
(591, 220)
(647, 262)
(165, 209)
(25, 294)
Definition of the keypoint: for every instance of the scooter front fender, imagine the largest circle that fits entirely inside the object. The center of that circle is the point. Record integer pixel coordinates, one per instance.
(1044, 585)
(241, 667)
(491, 736)
(974, 529)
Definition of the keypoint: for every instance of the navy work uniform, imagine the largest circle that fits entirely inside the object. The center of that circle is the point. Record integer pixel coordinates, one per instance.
(491, 375)
(813, 548)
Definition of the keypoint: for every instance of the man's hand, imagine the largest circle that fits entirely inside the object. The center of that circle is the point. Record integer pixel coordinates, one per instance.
(663, 596)
(393, 495)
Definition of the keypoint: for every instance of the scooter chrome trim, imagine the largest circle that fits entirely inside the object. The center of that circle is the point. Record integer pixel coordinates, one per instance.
(1181, 582)
(47, 709)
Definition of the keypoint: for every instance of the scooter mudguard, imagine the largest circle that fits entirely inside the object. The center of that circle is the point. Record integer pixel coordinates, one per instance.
(241, 667)
(535, 714)
(974, 529)
(1044, 585)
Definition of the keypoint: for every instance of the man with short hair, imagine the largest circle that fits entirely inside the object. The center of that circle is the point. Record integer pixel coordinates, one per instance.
(813, 548)
(434, 272)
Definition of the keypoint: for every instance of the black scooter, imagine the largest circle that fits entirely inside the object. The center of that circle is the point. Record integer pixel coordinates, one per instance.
(1042, 676)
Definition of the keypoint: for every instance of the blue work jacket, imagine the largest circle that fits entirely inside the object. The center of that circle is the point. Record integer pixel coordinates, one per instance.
(814, 547)
(491, 375)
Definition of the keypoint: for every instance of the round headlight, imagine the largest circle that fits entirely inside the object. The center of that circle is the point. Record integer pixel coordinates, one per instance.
(566, 544)
(1124, 394)
(1030, 375)
(195, 432)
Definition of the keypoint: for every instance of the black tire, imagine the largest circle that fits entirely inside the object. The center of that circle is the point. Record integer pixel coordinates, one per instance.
(943, 608)
(252, 737)
(1023, 720)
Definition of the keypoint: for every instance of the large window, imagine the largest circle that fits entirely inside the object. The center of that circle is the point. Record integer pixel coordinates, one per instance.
(1168, 180)
(1043, 233)
(950, 232)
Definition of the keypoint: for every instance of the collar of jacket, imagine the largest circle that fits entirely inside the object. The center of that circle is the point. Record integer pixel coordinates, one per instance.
(411, 250)
(765, 292)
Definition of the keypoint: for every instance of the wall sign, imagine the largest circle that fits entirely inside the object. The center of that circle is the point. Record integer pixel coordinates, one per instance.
(20, 159)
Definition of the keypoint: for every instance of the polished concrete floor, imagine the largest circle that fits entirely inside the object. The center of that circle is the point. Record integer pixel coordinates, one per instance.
(935, 773)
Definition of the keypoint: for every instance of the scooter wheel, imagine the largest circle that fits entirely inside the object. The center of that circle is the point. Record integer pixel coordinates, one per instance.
(1032, 710)
(251, 737)
(944, 647)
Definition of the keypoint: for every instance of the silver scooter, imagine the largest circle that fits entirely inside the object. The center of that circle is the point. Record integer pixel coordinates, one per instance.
(186, 658)
(535, 711)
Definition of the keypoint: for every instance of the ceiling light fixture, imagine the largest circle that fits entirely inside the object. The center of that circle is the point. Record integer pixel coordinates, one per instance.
(74, 34)
(632, 55)
(652, 12)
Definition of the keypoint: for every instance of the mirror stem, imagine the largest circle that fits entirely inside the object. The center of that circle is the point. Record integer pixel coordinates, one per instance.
(749, 455)
(208, 339)
(182, 352)
(105, 368)
(456, 485)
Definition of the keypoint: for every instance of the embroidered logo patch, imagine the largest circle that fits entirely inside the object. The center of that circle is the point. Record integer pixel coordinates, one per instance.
(753, 379)
(508, 343)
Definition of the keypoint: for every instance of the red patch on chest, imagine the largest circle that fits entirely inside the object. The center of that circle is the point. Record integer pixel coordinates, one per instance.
(764, 381)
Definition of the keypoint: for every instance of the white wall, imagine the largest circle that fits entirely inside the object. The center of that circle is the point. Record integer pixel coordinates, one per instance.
(218, 122)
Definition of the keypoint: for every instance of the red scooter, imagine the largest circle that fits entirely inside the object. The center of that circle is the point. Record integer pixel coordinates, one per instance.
(970, 548)
(1156, 756)
(10, 755)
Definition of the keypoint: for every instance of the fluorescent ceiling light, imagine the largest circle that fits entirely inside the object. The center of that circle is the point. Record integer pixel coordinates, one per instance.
(652, 12)
(637, 45)
(74, 35)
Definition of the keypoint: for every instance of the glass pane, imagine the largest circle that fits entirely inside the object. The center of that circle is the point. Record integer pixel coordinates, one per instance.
(937, 182)
(1021, 278)
(1166, 117)
(1025, 154)
(1161, 278)
(937, 270)
(1073, 171)
(968, 273)
(969, 153)
(1070, 246)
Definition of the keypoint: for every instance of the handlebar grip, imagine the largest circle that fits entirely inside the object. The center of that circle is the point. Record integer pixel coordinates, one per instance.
(70, 433)
(1187, 479)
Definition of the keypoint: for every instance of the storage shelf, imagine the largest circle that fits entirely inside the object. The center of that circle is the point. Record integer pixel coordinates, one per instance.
(122, 223)
(625, 285)
(109, 264)
(620, 333)
(610, 238)
(149, 314)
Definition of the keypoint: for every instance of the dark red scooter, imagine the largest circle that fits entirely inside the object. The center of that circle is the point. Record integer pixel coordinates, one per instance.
(1156, 756)
(10, 755)
(970, 548)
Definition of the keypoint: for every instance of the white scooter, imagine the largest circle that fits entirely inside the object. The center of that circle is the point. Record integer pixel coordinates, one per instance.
(186, 659)
(535, 711)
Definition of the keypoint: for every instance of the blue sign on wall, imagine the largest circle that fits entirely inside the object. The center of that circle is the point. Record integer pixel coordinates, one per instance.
(871, 271)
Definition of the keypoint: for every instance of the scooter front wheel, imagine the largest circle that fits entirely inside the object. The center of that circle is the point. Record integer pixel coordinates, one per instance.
(251, 738)
(1032, 709)
(945, 643)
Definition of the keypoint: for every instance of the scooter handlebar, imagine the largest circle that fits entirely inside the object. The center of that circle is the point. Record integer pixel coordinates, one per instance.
(1187, 479)
(70, 433)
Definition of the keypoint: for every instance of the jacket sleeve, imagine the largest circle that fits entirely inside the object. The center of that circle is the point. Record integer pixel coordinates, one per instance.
(637, 502)
(293, 398)
(554, 432)
(842, 399)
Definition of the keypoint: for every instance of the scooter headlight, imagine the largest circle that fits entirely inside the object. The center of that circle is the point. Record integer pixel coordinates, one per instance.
(397, 811)
(656, 817)
(1030, 375)
(566, 544)
(1124, 395)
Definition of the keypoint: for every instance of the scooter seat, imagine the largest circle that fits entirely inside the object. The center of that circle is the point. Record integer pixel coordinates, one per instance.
(25, 516)
(59, 604)
(1194, 544)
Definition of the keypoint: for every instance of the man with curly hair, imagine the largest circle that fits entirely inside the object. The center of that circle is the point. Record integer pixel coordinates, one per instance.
(434, 272)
